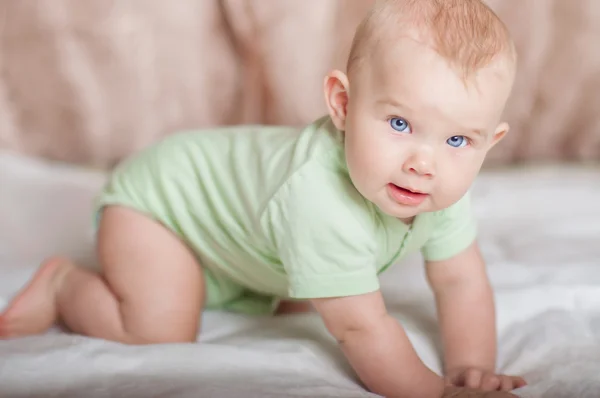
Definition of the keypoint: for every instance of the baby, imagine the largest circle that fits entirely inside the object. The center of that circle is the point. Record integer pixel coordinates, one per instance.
(257, 219)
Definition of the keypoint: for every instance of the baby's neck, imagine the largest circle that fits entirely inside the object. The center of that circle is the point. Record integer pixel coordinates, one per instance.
(407, 221)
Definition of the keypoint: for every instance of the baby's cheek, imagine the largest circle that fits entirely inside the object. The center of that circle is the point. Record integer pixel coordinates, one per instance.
(357, 170)
(366, 160)
(453, 187)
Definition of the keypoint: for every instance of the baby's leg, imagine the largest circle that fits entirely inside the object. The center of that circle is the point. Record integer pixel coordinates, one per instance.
(293, 307)
(151, 289)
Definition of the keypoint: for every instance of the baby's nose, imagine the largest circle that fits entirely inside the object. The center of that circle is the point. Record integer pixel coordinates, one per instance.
(420, 163)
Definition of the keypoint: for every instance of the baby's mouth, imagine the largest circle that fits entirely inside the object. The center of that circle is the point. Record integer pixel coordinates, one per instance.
(406, 196)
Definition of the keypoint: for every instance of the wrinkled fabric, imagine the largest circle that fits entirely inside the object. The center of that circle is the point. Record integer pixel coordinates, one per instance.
(539, 234)
(91, 82)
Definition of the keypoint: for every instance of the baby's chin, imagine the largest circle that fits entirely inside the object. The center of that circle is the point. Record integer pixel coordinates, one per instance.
(403, 213)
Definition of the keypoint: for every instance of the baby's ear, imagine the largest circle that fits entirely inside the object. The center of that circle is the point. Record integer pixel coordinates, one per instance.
(500, 133)
(336, 97)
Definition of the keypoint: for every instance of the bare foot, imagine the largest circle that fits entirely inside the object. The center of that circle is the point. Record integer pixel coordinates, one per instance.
(293, 307)
(33, 310)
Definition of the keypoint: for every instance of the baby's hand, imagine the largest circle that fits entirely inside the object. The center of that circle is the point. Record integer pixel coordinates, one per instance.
(483, 380)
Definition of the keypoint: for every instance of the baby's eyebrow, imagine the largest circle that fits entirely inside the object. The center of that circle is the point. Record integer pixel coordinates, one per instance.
(481, 132)
(391, 101)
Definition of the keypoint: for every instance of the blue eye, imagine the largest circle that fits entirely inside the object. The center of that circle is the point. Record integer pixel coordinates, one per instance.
(400, 125)
(458, 141)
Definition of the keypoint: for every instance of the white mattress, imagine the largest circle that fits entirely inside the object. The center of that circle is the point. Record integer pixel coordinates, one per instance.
(540, 232)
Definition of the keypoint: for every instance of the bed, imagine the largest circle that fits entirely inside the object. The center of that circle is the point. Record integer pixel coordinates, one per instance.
(88, 83)
(540, 233)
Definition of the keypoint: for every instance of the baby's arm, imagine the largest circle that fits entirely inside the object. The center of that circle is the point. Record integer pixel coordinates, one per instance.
(377, 347)
(466, 314)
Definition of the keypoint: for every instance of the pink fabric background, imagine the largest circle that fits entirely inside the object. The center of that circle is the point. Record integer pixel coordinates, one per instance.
(92, 81)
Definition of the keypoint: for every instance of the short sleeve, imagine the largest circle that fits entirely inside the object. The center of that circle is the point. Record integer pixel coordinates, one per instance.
(323, 234)
(455, 229)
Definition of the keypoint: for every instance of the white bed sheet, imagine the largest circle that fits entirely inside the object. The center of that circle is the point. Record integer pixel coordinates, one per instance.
(540, 232)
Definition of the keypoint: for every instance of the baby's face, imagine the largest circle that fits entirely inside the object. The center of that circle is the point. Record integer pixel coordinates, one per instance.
(416, 135)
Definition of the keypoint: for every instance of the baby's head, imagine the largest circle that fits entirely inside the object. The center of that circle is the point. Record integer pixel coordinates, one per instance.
(421, 102)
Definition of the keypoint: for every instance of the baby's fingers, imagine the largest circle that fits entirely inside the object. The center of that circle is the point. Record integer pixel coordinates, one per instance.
(473, 378)
(509, 383)
(518, 382)
(490, 382)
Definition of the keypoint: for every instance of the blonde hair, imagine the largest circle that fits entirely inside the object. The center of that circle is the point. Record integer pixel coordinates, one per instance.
(467, 33)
